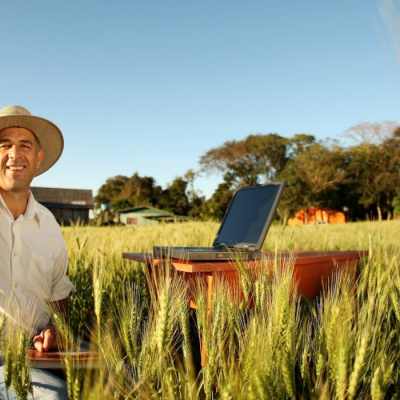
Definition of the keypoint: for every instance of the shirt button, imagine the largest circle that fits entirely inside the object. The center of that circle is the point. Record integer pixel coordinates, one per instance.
(16, 285)
(15, 254)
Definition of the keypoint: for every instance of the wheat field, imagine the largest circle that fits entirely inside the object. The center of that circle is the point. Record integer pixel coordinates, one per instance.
(344, 344)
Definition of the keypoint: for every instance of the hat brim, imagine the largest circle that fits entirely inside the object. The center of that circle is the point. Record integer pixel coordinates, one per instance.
(49, 135)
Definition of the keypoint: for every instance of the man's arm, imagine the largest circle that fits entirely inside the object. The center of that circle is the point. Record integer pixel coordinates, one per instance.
(47, 339)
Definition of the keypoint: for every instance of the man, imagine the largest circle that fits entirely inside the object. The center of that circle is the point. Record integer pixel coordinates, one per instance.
(33, 256)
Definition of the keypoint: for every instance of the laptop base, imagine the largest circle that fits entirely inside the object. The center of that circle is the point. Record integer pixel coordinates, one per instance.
(205, 253)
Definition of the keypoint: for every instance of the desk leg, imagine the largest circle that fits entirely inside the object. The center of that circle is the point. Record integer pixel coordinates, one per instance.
(208, 320)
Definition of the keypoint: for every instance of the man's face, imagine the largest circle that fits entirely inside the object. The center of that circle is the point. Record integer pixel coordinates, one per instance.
(19, 159)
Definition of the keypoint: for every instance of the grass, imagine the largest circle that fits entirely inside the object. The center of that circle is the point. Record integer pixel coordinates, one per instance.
(342, 345)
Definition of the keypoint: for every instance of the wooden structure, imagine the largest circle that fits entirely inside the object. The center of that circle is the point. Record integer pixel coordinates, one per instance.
(67, 205)
(317, 215)
(311, 270)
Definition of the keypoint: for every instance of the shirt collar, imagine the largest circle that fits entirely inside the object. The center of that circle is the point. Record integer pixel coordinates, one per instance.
(30, 211)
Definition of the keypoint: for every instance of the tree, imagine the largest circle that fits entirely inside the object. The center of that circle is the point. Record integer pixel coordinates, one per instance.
(295, 194)
(321, 168)
(119, 204)
(110, 190)
(217, 205)
(174, 198)
(313, 176)
(255, 159)
(375, 170)
(269, 154)
(232, 157)
(197, 209)
(141, 190)
(396, 206)
(299, 144)
(196, 201)
(121, 192)
(371, 132)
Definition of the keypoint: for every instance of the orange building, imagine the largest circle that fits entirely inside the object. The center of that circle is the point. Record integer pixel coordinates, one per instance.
(313, 215)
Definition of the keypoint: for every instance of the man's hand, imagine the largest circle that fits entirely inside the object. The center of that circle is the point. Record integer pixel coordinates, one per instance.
(47, 339)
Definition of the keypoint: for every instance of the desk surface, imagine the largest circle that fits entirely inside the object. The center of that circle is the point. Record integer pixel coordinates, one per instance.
(300, 258)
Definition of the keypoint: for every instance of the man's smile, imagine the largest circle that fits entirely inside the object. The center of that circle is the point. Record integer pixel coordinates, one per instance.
(15, 167)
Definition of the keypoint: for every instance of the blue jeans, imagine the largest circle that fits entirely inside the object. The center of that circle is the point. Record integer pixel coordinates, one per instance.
(46, 386)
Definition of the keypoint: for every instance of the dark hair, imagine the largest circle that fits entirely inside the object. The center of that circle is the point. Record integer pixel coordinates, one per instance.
(38, 144)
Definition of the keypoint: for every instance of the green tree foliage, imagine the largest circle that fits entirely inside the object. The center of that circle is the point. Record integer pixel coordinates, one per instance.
(256, 159)
(319, 169)
(217, 205)
(196, 202)
(141, 191)
(110, 190)
(174, 198)
(299, 144)
(362, 179)
(295, 195)
(375, 172)
(396, 206)
(121, 193)
(315, 171)
(249, 161)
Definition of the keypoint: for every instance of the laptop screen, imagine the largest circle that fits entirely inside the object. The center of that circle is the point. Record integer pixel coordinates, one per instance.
(249, 215)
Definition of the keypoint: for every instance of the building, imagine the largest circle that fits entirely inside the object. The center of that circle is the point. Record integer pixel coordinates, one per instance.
(67, 205)
(147, 216)
(317, 215)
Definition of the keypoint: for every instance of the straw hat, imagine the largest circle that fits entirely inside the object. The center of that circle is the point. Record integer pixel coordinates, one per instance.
(49, 135)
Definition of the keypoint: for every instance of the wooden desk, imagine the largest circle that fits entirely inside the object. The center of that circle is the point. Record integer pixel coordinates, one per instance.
(311, 270)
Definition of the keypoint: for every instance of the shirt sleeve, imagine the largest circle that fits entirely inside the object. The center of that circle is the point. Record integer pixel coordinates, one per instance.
(61, 286)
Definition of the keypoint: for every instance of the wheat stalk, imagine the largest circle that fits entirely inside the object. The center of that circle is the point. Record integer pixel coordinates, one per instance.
(259, 341)
(359, 365)
(376, 388)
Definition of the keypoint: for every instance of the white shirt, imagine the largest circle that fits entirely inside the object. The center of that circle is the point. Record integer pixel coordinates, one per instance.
(33, 264)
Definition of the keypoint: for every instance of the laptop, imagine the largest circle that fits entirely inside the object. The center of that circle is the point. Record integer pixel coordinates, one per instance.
(242, 230)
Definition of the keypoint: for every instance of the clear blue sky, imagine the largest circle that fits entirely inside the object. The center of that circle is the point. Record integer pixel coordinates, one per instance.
(149, 86)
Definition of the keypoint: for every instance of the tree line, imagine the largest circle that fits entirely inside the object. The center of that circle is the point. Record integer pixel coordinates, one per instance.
(361, 179)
